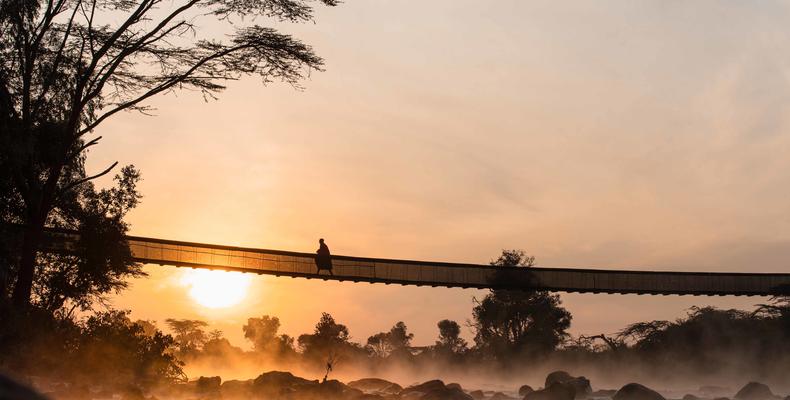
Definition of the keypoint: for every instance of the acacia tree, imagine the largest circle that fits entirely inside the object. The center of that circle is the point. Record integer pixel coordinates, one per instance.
(66, 66)
(450, 340)
(189, 335)
(384, 344)
(511, 323)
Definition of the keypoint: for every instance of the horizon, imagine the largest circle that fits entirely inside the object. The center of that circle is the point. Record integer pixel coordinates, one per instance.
(642, 180)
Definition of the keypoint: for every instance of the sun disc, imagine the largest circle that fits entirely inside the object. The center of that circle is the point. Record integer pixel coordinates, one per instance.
(216, 289)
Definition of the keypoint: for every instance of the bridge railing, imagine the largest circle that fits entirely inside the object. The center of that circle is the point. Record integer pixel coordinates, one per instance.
(361, 269)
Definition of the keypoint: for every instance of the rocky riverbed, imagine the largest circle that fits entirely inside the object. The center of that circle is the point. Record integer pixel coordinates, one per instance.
(280, 385)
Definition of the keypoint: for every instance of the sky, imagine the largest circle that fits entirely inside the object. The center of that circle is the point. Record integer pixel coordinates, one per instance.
(605, 134)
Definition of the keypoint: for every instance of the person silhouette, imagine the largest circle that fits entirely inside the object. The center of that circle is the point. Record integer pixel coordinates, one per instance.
(323, 258)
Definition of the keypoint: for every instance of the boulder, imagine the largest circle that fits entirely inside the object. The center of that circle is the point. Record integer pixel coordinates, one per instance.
(278, 384)
(455, 386)
(477, 394)
(710, 391)
(557, 377)
(434, 390)
(208, 384)
(755, 391)
(603, 393)
(236, 388)
(331, 389)
(424, 387)
(524, 389)
(370, 396)
(635, 391)
(376, 386)
(501, 396)
(10, 389)
(557, 391)
(580, 384)
(446, 394)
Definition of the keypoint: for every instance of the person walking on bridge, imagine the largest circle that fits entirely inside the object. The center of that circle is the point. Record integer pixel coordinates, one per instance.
(323, 259)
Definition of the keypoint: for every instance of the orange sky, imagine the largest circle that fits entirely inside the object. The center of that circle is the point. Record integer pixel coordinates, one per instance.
(622, 134)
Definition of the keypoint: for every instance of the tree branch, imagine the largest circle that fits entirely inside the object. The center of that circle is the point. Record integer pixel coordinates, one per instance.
(89, 178)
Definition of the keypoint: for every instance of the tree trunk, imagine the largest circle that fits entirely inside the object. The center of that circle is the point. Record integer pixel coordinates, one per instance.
(34, 230)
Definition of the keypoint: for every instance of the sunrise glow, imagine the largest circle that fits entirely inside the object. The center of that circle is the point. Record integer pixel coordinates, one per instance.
(216, 289)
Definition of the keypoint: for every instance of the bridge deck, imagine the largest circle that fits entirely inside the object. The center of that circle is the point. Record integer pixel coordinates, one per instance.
(427, 273)
(359, 269)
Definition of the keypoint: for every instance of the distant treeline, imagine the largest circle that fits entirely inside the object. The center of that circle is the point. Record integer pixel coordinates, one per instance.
(511, 329)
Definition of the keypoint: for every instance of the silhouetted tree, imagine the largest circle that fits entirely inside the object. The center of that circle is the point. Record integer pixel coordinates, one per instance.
(68, 66)
(219, 349)
(328, 338)
(189, 335)
(149, 327)
(100, 262)
(510, 323)
(396, 341)
(450, 341)
(113, 349)
(709, 340)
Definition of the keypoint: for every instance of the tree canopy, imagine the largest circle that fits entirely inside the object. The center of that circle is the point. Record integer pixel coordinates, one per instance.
(396, 341)
(509, 322)
(66, 66)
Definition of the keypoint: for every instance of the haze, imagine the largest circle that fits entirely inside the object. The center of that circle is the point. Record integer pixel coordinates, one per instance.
(619, 134)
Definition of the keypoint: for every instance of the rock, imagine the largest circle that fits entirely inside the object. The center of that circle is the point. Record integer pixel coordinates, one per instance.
(331, 389)
(501, 396)
(10, 389)
(603, 393)
(370, 396)
(278, 383)
(635, 391)
(236, 388)
(691, 397)
(208, 384)
(557, 391)
(524, 389)
(754, 391)
(710, 391)
(446, 394)
(477, 394)
(424, 387)
(434, 390)
(557, 377)
(376, 386)
(454, 386)
(580, 384)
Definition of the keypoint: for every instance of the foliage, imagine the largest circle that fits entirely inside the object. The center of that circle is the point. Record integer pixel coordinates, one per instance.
(189, 335)
(513, 258)
(100, 262)
(713, 339)
(511, 323)
(327, 340)
(68, 66)
(396, 341)
(112, 347)
(262, 332)
(450, 341)
(107, 347)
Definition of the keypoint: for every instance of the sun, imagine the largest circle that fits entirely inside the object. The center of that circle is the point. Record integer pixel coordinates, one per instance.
(216, 289)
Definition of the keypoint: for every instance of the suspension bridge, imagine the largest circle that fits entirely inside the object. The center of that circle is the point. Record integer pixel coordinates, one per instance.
(441, 274)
